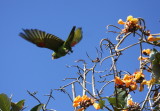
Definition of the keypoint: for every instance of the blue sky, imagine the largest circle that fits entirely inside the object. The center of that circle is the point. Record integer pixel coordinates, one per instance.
(24, 66)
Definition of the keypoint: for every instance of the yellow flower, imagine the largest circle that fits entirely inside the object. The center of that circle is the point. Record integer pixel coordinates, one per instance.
(141, 87)
(157, 38)
(129, 18)
(127, 77)
(133, 86)
(152, 39)
(77, 99)
(135, 20)
(75, 104)
(142, 58)
(130, 102)
(85, 97)
(146, 51)
(120, 21)
(144, 82)
(118, 80)
(150, 82)
(81, 109)
(127, 82)
(131, 24)
(83, 102)
(138, 75)
(96, 106)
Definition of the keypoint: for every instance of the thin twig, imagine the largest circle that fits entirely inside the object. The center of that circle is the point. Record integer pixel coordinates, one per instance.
(146, 99)
(73, 90)
(101, 90)
(33, 95)
(50, 96)
(86, 90)
(93, 80)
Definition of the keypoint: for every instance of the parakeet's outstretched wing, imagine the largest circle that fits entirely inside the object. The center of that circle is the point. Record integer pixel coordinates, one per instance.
(77, 37)
(70, 38)
(74, 37)
(42, 39)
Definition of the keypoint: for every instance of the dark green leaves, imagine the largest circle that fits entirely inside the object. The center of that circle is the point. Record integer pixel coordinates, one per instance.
(119, 101)
(17, 106)
(7, 105)
(5, 102)
(37, 108)
(101, 103)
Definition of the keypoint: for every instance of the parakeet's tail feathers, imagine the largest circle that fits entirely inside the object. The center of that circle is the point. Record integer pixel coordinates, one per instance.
(77, 37)
(42, 39)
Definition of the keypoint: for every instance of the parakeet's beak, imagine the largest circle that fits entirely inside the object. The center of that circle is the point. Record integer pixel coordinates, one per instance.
(53, 58)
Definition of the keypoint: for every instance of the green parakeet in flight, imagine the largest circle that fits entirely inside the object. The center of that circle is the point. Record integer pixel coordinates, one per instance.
(46, 40)
(154, 57)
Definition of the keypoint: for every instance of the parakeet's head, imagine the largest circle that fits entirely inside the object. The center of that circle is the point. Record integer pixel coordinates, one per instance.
(55, 56)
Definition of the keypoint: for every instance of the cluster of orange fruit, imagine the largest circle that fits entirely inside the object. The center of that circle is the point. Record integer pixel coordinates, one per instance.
(84, 102)
(130, 81)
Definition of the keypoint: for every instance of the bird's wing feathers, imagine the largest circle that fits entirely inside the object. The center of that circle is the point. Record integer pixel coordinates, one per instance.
(74, 37)
(70, 38)
(42, 39)
(77, 37)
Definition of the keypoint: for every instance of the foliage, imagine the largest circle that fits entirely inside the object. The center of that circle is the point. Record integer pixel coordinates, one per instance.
(7, 105)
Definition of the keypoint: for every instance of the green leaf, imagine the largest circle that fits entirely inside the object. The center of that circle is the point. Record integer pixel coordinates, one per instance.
(157, 108)
(119, 101)
(17, 106)
(155, 42)
(5, 102)
(102, 103)
(37, 108)
(122, 97)
(112, 100)
(155, 64)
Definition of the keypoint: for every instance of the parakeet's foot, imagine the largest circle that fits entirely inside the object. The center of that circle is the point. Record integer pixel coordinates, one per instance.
(71, 51)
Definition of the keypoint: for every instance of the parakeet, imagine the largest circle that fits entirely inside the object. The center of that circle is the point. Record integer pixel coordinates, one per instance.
(154, 57)
(46, 40)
